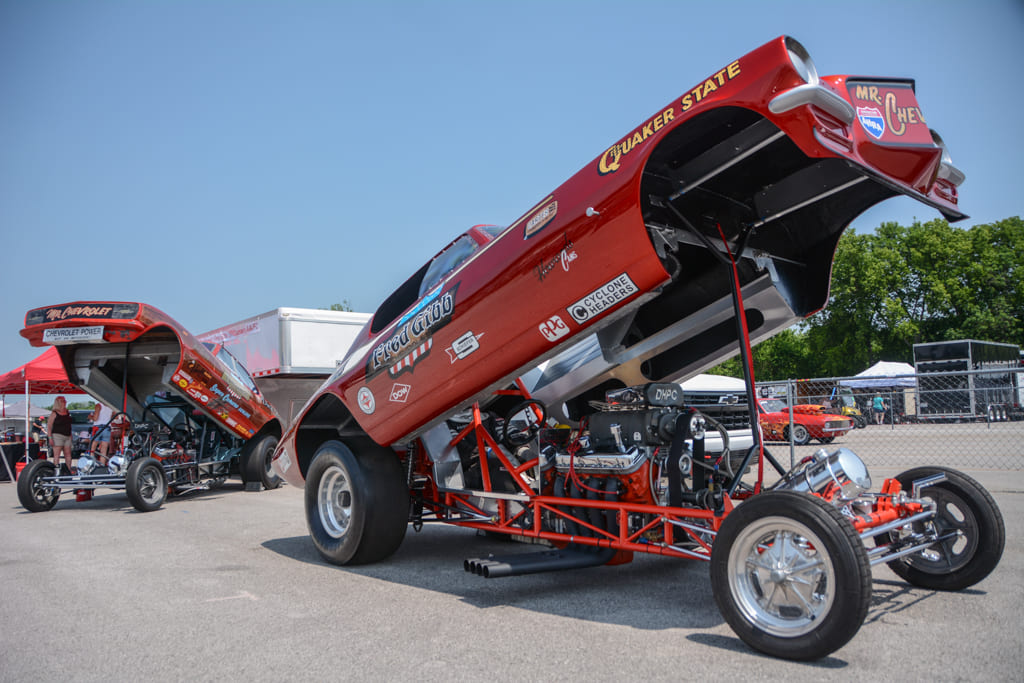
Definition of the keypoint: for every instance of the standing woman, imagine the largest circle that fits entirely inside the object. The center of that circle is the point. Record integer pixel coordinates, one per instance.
(58, 427)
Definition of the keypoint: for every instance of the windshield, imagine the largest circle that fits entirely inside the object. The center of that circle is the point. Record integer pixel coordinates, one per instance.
(236, 368)
(447, 261)
(772, 405)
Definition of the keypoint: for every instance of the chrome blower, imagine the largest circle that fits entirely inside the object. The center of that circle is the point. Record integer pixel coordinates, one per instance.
(814, 473)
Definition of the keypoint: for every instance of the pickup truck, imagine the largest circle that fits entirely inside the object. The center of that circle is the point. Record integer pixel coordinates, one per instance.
(710, 226)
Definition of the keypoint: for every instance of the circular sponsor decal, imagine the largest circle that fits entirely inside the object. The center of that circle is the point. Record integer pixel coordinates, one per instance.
(365, 400)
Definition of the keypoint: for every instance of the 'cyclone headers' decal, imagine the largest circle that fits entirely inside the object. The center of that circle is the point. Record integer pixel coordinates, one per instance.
(412, 335)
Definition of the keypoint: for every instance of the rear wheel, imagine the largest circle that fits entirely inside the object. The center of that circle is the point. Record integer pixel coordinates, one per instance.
(146, 485)
(968, 515)
(790, 575)
(357, 503)
(35, 496)
(257, 465)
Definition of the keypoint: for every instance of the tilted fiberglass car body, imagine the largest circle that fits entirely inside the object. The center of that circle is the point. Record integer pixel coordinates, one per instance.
(809, 422)
(192, 412)
(710, 226)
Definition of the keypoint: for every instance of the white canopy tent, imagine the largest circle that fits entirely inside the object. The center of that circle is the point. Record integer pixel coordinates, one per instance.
(17, 409)
(883, 374)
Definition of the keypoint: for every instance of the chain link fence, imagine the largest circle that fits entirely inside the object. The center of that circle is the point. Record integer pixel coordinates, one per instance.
(964, 420)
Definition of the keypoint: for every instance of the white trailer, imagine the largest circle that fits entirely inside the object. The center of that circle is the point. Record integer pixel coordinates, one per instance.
(290, 351)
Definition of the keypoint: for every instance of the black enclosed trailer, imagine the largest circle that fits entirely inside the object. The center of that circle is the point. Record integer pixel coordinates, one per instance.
(967, 379)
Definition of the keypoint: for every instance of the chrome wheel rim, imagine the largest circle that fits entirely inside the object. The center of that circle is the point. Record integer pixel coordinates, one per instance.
(149, 484)
(334, 502)
(954, 518)
(781, 577)
(42, 492)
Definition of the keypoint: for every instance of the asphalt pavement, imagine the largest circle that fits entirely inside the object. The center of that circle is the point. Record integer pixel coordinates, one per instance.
(226, 586)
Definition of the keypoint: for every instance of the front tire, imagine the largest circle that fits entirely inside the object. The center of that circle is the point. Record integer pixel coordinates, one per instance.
(800, 435)
(257, 465)
(790, 575)
(146, 485)
(356, 502)
(33, 494)
(964, 507)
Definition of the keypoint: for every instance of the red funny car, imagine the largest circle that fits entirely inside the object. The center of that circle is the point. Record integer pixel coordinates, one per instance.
(809, 422)
(193, 410)
(710, 226)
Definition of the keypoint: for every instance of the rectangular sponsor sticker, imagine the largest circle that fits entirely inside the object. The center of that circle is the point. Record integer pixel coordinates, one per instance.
(601, 299)
(73, 335)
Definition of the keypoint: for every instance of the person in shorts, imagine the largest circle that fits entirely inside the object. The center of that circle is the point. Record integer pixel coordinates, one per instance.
(878, 407)
(58, 427)
(102, 415)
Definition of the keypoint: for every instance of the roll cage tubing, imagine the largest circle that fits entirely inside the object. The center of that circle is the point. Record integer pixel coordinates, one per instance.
(698, 524)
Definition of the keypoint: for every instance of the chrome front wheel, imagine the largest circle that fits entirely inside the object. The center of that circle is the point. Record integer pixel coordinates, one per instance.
(790, 575)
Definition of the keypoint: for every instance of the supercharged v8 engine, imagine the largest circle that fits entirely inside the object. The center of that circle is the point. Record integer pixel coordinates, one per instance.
(648, 439)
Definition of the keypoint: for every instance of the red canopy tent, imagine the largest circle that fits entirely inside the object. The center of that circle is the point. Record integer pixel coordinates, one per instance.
(44, 375)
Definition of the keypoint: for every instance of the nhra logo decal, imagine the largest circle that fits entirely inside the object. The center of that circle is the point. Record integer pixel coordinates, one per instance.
(891, 109)
(601, 299)
(411, 333)
(611, 160)
(872, 121)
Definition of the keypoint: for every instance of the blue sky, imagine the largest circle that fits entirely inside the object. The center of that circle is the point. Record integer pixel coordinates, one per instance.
(219, 159)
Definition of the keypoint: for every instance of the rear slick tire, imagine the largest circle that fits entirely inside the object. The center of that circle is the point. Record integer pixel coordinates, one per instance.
(257, 467)
(33, 495)
(357, 502)
(790, 575)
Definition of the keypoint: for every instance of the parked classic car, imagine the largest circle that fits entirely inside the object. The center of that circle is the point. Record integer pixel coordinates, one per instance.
(710, 226)
(194, 414)
(810, 421)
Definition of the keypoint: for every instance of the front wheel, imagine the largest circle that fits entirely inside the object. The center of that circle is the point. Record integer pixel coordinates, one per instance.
(800, 435)
(357, 502)
(146, 485)
(35, 496)
(968, 516)
(790, 575)
(257, 465)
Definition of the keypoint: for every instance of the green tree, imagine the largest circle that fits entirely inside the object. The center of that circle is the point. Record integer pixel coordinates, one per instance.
(343, 306)
(901, 286)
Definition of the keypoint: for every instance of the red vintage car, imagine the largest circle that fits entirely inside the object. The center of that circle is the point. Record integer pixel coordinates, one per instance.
(194, 412)
(710, 226)
(809, 422)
